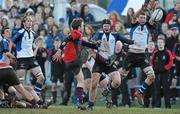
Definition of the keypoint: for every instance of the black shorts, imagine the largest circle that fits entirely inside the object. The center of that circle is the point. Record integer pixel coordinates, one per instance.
(74, 66)
(57, 72)
(135, 60)
(5, 88)
(8, 76)
(178, 68)
(27, 63)
(86, 73)
(102, 67)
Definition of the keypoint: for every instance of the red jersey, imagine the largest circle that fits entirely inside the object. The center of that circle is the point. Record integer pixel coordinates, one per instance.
(70, 51)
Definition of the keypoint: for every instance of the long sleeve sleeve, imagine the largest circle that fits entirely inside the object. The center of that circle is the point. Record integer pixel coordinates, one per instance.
(170, 64)
(123, 39)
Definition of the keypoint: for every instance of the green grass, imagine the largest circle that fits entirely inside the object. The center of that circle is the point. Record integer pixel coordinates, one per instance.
(97, 110)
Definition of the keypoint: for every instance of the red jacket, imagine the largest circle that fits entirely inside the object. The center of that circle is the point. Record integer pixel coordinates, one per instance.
(71, 48)
(162, 60)
(169, 17)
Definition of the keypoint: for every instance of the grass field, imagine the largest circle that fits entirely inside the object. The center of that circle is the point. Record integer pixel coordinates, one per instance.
(97, 110)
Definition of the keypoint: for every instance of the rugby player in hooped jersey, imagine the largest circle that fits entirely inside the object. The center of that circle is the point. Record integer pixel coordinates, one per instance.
(136, 53)
(24, 40)
(107, 41)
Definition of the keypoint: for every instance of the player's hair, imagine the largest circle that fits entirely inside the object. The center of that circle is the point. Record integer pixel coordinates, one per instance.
(106, 21)
(3, 30)
(27, 18)
(76, 23)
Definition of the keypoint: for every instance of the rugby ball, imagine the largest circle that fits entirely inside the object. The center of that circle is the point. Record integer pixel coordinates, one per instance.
(157, 15)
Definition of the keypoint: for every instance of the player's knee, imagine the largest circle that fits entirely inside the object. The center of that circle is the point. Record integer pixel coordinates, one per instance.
(94, 80)
(150, 73)
(40, 77)
(29, 88)
(152, 77)
(116, 83)
(124, 73)
(21, 78)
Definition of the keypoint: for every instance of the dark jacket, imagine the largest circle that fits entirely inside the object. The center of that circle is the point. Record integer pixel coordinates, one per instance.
(162, 61)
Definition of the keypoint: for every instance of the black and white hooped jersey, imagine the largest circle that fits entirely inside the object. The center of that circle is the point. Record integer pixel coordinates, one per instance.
(24, 40)
(140, 34)
(4, 47)
(108, 42)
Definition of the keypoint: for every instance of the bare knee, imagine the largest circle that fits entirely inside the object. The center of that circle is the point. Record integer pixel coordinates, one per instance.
(53, 87)
(116, 83)
(94, 81)
(40, 78)
(150, 75)
(21, 74)
(38, 74)
(151, 78)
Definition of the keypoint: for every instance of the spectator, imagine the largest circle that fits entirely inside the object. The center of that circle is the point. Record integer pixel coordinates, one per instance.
(50, 22)
(114, 17)
(47, 12)
(40, 10)
(16, 3)
(7, 4)
(155, 4)
(172, 12)
(86, 15)
(17, 25)
(25, 6)
(72, 13)
(35, 27)
(176, 52)
(34, 4)
(162, 61)
(170, 42)
(13, 11)
(42, 31)
(175, 71)
(54, 34)
(2, 13)
(61, 24)
(130, 14)
(89, 31)
(164, 28)
(39, 18)
(119, 27)
(4, 22)
(169, 33)
(45, 3)
(178, 20)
